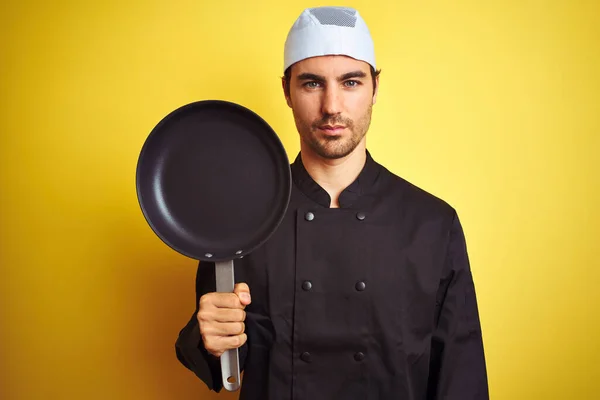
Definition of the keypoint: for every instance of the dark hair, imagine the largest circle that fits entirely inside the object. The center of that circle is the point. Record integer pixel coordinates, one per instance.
(288, 76)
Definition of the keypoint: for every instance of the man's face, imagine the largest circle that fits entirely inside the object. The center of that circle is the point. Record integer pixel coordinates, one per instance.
(331, 98)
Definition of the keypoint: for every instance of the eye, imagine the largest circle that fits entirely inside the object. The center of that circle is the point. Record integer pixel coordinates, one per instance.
(352, 83)
(311, 85)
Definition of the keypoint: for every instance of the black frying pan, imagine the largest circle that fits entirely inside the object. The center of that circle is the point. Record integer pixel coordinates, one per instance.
(213, 182)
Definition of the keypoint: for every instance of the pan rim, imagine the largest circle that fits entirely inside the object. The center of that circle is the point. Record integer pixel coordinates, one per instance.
(285, 190)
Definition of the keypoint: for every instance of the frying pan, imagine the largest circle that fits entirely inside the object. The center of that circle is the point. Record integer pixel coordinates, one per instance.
(213, 181)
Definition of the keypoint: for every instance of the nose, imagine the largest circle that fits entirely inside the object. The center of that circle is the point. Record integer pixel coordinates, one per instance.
(332, 101)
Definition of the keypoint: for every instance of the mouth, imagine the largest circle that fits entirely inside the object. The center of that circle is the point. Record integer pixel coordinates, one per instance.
(332, 129)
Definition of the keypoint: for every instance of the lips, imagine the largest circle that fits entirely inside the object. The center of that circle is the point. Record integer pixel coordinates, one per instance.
(332, 128)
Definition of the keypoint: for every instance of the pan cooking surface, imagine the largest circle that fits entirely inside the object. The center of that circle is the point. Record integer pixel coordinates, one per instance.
(213, 180)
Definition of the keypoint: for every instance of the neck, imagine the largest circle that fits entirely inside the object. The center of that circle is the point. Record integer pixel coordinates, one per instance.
(334, 175)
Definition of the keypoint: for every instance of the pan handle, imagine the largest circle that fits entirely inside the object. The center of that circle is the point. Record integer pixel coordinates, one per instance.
(230, 360)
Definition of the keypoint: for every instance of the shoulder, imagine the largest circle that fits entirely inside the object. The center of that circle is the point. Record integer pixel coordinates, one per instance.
(413, 199)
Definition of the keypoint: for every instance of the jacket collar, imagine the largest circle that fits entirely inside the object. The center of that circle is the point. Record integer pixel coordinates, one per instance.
(349, 196)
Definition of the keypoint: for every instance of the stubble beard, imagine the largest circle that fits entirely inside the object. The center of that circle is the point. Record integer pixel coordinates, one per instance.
(335, 147)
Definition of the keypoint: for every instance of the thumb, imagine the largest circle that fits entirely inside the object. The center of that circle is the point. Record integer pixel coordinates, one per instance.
(243, 292)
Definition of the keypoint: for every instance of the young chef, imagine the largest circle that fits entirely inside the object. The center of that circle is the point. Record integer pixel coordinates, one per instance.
(365, 290)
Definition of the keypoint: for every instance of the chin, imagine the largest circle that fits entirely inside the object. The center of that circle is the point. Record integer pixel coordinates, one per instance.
(330, 147)
(338, 150)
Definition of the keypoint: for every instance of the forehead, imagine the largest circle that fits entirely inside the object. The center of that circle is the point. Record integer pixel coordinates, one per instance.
(329, 66)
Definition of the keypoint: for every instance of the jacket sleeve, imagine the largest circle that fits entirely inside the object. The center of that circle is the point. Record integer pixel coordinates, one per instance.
(458, 367)
(189, 346)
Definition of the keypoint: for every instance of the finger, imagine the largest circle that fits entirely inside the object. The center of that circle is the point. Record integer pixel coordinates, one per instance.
(222, 300)
(221, 315)
(243, 292)
(218, 345)
(223, 328)
(229, 315)
(232, 342)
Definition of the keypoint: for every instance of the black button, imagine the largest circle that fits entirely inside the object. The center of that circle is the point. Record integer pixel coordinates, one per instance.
(305, 356)
(306, 285)
(360, 216)
(309, 216)
(359, 356)
(360, 286)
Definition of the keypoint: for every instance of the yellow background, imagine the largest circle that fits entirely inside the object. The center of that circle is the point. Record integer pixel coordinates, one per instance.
(494, 106)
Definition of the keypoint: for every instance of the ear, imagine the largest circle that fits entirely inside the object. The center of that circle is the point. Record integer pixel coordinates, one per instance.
(376, 89)
(287, 98)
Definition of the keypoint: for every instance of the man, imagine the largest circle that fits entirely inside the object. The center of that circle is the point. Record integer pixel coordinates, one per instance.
(365, 289)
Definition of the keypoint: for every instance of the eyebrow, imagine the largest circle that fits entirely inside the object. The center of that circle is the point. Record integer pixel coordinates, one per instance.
(307, 76)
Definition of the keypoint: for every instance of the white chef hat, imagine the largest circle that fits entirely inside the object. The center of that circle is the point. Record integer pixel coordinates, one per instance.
(323, 31)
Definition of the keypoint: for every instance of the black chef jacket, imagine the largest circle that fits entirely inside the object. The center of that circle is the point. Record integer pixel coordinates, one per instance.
(372, 300)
